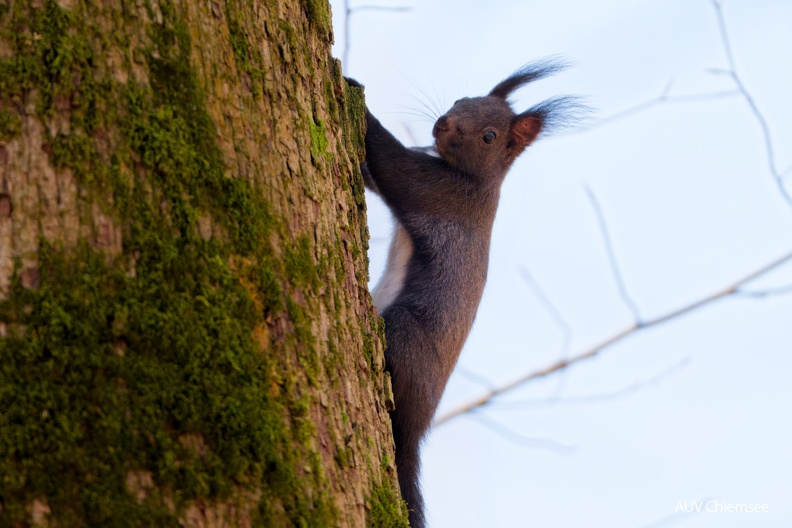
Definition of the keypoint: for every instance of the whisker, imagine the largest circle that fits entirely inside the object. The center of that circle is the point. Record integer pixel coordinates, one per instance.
(435, 108)
(429, 109)
(416, 112)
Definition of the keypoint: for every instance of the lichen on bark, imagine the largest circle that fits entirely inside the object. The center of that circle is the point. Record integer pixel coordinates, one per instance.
(186, 334)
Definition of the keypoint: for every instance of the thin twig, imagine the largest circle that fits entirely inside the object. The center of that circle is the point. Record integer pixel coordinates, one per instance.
(663, 98)
(596, 398)
(551, 369)
(410, 134)
(614, 263)
(475, 378)
(761, 294)
(345, 54)
(778, 176)
(564, 326)
(616, 338)
(552, 309)
(519, 439)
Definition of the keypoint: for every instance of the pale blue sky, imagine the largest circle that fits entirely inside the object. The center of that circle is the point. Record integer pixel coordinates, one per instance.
(691, 207)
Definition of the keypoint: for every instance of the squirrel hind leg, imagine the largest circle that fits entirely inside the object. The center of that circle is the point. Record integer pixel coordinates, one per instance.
(409, 357)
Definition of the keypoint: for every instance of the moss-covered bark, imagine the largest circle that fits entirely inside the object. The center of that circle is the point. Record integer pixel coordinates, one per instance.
(186, 337)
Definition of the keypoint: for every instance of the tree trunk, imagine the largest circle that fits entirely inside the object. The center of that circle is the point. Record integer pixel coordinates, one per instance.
(186, 334)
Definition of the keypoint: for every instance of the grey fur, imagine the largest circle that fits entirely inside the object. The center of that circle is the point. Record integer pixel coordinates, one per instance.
(446, 205)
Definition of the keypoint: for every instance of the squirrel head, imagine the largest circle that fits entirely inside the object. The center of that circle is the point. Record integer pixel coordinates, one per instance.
(483, 135)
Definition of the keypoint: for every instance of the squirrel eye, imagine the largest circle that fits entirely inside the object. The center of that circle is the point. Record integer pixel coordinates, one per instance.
(488, 137)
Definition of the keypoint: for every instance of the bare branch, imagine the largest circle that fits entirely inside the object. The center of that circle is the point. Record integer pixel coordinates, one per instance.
(551, 369)
(778, 176)
(614, 264)
(726, 292)
(517, 438)
(718, 71)
(564, 326)
(664, 97)
(661, 99)
(475, 378)
(761, 294)
(347, 17)
(613, 395)
(410, 134)
(616, 338)
(724, 37)
(667, 89)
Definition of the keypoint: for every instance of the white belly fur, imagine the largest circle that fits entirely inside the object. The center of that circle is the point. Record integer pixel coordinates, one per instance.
(390, 285)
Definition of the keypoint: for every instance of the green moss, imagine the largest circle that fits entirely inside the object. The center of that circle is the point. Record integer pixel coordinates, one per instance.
(56, 61)
(248, 58)
(332, 102)
(355, 122)
(175, 137)
(385, 508)
(319, 15)
(10, 124)
(300, 265)
(319, 143)
(290, 35)
(156, 337)
(122, 357)
(74, 150)
(368, 346)
(302, 425)
(264, 275)
(338, 260)
(354, 127)
(343, 456)
(304, 340)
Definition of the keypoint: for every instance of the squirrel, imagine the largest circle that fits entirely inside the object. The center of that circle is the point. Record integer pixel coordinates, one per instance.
(444, 206)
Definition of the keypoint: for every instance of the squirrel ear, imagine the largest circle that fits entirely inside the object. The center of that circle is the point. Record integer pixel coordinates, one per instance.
(524, 129)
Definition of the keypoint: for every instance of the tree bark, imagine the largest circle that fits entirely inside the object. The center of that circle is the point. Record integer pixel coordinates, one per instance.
(186, 334)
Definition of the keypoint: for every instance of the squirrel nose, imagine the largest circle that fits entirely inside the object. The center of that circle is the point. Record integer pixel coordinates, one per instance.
(441, 124)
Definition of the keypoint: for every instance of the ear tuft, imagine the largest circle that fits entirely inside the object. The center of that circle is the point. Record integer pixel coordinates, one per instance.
(559, 113)
(528, 73)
